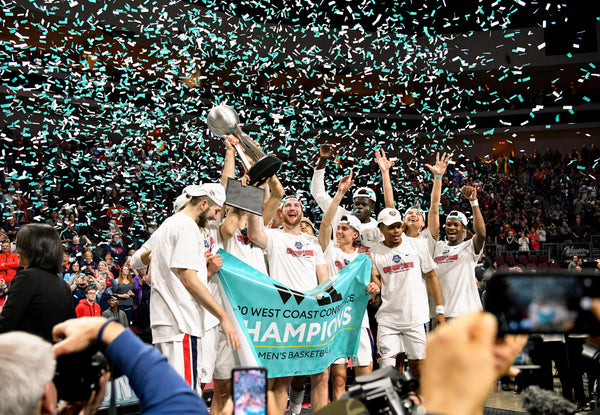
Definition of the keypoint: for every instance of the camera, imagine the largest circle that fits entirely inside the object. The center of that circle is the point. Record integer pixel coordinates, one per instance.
(77, 374)
(384, 391)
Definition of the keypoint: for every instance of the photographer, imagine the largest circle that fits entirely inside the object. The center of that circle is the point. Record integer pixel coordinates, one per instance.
(27, 367)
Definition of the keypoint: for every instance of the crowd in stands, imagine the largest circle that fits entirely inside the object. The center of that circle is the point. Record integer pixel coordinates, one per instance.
(529, 202)
(542, 197)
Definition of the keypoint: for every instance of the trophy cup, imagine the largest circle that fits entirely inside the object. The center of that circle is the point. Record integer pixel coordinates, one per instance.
(223, 120)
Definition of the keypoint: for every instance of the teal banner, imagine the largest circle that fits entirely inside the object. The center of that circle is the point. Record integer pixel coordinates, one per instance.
(290, 332)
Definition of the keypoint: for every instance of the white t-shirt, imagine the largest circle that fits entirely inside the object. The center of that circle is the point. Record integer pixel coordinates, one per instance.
(456, 276)
(424, 238)
(403, 287)
(176, 244)
(369, 232)
(240, 246)
(293, 259)
(212, 242)
(336, 260)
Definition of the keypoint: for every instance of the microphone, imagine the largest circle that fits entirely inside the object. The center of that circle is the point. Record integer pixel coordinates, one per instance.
(537, 401)
(344, 407)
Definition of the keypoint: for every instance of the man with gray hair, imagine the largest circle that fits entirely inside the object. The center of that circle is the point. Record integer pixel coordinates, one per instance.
(28, 364)
(26, 371)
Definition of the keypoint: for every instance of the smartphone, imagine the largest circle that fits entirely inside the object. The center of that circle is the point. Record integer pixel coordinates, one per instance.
(543, 302)
(249, 391)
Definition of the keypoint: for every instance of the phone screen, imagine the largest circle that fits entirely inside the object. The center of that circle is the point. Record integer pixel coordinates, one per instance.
(543, 302)
(249, 391)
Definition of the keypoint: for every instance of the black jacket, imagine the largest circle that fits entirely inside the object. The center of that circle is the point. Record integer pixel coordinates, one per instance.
(37, 300)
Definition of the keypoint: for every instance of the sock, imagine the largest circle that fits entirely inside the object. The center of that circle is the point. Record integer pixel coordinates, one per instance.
(296, 399)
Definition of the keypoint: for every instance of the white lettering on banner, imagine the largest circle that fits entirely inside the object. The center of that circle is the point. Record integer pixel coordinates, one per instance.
(272, 332)
(123, 393)
(324, 329)
(289, 330)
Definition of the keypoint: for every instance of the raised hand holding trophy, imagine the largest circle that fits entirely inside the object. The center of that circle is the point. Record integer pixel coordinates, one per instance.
(223, 120)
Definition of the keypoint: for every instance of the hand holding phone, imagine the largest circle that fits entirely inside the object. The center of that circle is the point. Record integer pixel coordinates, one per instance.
(249, 391)
(545, 302)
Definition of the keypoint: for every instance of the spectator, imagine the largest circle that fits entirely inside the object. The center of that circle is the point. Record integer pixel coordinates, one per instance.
(88, 307)
(124, 292)
(553, 235)
(573, 264)
(78, 286)
(54, 220)
(115, 312)
(566, 235)
(11, 227)
(512, 244)
(103, 271)
(38, 298)
(534, 239)
(72, 273)
(102, 295)
(541, 230)
(9, 262)
(77, 248)
(88, 261)
(579, 232)
(116, 249)
(68, 234)
(142, 289)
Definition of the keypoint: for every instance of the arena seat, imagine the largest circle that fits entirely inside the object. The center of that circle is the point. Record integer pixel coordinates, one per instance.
(510, 260)
(499, 259)
(533, 258)
(542, 265)
(543, 258)
(522, 259)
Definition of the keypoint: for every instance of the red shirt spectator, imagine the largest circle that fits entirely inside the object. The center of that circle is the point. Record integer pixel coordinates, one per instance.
(88, 307)
(9, 262)
(534, 240)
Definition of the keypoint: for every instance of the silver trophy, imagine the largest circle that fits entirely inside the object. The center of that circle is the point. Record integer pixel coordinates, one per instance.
(223, 120)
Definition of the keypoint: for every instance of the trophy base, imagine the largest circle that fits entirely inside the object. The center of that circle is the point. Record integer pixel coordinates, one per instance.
(263, 169)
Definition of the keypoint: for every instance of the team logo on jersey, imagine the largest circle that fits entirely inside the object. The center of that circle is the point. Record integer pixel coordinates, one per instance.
(404, 266)
(341, 264)
(243, 238)
(298, 245)
(396, 258)
(300, 253)
(445, 252)
(209, 244)
(444, 259)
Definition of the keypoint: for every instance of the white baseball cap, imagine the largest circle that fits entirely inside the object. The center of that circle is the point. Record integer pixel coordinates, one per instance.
(389, 216)
(365, 192)
(215, 191)
(459, 216)
(179, 203)
(351, 221)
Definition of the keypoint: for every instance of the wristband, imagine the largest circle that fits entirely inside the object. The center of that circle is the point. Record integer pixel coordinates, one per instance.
(101, 331)
(440, 309)
(421, 410)
(474, 202)
(439, 175)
